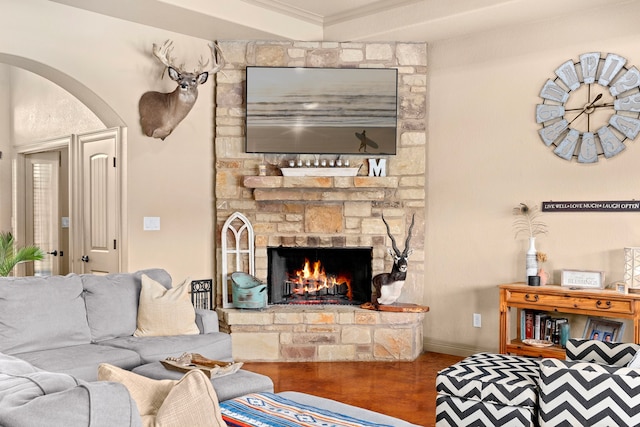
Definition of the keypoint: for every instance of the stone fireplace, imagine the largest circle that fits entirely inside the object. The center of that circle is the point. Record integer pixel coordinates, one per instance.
(324, 212)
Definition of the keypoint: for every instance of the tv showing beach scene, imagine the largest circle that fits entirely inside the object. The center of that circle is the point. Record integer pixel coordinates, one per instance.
(321, 110)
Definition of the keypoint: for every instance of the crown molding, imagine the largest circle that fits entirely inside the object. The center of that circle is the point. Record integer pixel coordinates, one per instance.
(287, 9)
(305, 15)
(370, 9)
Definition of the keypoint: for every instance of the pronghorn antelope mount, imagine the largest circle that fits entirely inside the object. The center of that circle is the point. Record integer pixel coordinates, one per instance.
(388, 286)
(160, 113)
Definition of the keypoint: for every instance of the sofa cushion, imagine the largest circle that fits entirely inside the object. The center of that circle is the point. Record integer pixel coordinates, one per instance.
(40, 313)
(112, 301)
(165, 312)
(496, 378)
(227, 386)
(588, 394)
(216, 346)
(30, 397)
(189, 401)
(607, 353)
(81, 361)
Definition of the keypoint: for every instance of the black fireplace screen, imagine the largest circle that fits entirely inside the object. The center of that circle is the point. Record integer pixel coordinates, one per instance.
(319, 275)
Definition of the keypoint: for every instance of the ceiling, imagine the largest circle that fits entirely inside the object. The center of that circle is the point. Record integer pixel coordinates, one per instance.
(337, 20)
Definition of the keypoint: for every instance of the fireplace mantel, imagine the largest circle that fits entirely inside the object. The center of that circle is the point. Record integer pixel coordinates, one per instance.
(337, 188)
(354, 183)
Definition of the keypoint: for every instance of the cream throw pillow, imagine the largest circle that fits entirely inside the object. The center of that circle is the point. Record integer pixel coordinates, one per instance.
(164, 312)
(190, 401)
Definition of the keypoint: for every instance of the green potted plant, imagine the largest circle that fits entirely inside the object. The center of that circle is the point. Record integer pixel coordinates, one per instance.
(9, 257)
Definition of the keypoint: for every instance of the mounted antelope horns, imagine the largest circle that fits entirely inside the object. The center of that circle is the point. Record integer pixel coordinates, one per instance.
(406, 243)
(393, 240)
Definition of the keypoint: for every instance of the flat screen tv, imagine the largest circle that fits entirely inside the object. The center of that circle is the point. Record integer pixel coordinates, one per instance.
(321, 110)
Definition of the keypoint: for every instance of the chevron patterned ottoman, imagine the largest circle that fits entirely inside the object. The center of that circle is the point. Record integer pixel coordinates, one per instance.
(593, 388)
(488, 389)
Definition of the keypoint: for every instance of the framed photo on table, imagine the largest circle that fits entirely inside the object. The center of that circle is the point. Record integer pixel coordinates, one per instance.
(621, 288)
(603, 330)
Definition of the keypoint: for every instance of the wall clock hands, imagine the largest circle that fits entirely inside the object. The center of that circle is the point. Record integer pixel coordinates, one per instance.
(610, 104)
(587, 107)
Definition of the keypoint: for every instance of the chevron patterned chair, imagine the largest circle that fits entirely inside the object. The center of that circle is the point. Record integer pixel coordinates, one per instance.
(592, 387)
(488, 389)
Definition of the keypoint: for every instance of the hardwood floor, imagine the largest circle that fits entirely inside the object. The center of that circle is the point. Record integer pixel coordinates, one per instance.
(404, 390)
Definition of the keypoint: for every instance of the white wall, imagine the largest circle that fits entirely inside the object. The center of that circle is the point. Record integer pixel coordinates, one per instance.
(5, 148)
(40, 110)
(110, 60)
(484, 157)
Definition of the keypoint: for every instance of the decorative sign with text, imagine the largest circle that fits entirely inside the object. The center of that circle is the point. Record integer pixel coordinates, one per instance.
(614, 206)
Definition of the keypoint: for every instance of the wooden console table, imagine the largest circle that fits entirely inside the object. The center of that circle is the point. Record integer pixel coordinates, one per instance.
(558, 299)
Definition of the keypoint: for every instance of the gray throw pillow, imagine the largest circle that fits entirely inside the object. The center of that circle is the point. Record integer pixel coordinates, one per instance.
(112, 301)
(41, 313)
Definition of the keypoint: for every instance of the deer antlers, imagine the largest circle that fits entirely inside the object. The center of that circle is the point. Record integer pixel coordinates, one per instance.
(393, 240)
(163, 53)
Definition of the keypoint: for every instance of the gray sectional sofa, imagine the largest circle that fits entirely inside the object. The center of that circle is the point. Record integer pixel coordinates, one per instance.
(70, 324)
(56, 331)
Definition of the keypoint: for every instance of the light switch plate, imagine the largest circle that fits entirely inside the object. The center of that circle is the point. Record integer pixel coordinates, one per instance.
(477, 320)
(151, 223)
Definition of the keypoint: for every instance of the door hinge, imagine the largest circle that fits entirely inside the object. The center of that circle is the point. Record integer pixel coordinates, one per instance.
(114, 244)
(114, 162)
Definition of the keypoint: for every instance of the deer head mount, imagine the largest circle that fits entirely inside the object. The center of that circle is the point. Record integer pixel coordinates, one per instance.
(389, 285)
(160, 112)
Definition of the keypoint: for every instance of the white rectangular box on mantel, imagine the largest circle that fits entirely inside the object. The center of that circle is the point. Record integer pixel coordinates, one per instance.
(328, 171)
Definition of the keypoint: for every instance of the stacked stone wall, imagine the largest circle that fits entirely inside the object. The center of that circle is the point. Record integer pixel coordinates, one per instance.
(324, 211)
(329, 333)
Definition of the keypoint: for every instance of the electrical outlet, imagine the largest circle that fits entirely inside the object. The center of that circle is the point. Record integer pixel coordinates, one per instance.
(477, 320)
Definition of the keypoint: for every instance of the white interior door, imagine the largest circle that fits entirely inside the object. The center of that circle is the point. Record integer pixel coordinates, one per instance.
(98, 203)
(42, 187)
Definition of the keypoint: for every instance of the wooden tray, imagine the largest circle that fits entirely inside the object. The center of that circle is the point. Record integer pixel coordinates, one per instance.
(212, 368)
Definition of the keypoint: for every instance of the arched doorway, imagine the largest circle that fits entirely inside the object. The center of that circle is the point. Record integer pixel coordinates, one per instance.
(81, 157)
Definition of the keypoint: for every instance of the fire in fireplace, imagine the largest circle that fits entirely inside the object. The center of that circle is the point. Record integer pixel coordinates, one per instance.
(319, 275)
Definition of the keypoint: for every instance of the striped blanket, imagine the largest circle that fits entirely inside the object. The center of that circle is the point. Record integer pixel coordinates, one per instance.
(271, 410)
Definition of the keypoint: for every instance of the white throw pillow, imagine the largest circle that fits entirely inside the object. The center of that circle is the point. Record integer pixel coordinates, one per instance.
(635, 362)
(165, 312)
(190, 401)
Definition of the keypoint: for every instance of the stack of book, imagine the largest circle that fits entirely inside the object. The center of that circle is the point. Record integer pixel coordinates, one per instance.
(540, 325)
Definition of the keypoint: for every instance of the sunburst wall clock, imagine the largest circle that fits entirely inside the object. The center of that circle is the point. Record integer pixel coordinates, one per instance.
(590, 108)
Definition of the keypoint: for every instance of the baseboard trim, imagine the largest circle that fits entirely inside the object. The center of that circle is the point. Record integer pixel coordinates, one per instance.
(452, 348)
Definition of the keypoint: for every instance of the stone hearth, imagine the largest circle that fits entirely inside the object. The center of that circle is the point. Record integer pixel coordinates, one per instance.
(322, 334)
